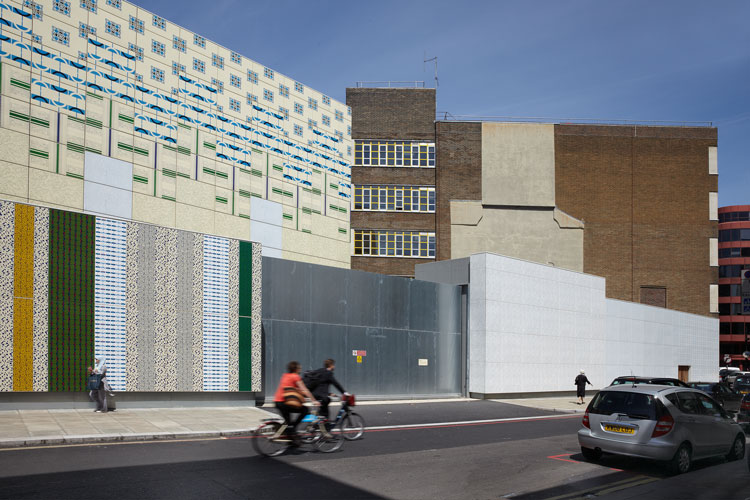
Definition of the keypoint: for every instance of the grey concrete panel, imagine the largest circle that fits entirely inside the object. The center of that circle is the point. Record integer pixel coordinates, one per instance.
(448, 308)
(286, 290)
(363, 299)
(329, 302)
(423, 306)
(330, 341)
(421, 346)
(387, 358)
(285, 341)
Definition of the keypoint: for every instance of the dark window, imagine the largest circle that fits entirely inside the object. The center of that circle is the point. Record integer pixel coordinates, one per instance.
(687, 403)
(709, 407)
(724, 309)
(745, 252)
(738, 328)
(732, 271)
(725, 328)
(724, 291)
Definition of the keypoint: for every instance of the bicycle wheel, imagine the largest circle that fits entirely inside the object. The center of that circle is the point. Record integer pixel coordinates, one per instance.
(331, 444)
(263, 443)
(353, 426)
(307, 434)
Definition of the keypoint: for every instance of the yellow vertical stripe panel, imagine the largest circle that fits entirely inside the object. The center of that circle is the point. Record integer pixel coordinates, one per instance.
(23, 304)
(23, 270)
(23, 344)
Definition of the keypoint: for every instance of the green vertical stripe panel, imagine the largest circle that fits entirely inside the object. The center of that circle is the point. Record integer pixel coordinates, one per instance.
(71, 299)
(246, 312)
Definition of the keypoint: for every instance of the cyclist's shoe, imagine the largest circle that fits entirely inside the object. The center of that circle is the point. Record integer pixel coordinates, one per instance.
(280, 432)
(324, 430)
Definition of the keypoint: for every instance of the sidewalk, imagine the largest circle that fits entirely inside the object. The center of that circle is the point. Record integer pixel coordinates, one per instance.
(76, 426)
(45, 427)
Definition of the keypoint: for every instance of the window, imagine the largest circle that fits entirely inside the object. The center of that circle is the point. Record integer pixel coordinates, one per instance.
(312, 103)
(136, 51)
(268, 73)
(157, 47)
(159, 22)
(267, 95)
(326, 100)
(234, 105)
(298, 130)
(298, 87)
(338, 115)
(235, 81)
(218, 85)
(136, 24)
(298, 108)
(179, 43)
(177, 68)
(235, 58)
(393, 153)
(157, 74)
(326, 120)
(36, 9)
(411, 244)
(251, 98)
(61, 6)
(84, 30)
(89, 5)
(349, 130)
(117, 4)
(112, 28)
(284, 112)
(60, 36)
(199, 41)
(199, 65)
(283, 90)
(217, 60)
(252, 76)
(312, 124)
(394, 198)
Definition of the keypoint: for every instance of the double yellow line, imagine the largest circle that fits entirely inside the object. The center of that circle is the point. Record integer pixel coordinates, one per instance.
(604, 489)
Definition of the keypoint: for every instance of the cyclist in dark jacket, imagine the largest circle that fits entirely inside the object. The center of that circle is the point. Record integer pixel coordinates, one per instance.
(325, 378)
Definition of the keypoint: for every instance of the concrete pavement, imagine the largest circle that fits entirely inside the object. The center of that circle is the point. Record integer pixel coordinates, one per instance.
(75, 426)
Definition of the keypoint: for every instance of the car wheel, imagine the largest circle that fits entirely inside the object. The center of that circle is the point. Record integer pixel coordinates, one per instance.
(738, 449)
(682, 459)
(591, 455)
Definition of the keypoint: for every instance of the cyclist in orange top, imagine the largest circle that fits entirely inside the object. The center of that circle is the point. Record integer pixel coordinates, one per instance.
(287, 402)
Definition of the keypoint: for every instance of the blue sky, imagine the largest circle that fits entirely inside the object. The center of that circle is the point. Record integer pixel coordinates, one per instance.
(676, 60)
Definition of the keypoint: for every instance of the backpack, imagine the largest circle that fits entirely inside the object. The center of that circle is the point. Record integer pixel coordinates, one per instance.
(312, 378)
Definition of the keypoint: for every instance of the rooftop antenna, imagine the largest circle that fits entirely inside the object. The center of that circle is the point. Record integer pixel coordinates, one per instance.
(432, 59)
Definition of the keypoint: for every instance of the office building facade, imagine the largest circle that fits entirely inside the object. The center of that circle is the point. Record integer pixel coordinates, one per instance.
(112, 110)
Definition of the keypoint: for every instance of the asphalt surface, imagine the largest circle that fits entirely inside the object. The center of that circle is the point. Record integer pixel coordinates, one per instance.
(475, 449)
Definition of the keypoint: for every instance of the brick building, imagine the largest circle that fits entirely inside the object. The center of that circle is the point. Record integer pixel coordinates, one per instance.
(734, 258)
(393, 215)
(635, 204)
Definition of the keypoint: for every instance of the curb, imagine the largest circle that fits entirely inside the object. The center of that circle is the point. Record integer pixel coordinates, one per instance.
(115, 438)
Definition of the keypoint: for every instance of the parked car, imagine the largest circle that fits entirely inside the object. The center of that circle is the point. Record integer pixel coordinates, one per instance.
(649, 380)
(672, 424)
(728, 398)
(731, 377)
(743, 416)
(742, 384)
(726, 371)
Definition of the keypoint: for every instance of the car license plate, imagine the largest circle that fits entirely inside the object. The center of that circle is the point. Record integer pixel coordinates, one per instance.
(619, 429)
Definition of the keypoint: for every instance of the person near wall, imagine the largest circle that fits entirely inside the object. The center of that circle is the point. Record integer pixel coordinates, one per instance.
(290, 398)
(100, 394)
(580, 382)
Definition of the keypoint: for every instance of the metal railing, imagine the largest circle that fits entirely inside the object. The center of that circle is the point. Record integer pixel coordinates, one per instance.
(391, 84)
(447, 116)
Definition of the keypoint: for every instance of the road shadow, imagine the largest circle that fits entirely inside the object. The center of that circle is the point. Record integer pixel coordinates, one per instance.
(240, 478)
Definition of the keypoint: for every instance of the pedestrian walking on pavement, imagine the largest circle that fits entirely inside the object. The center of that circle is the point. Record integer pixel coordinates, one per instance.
(100, 394)
(581, 381)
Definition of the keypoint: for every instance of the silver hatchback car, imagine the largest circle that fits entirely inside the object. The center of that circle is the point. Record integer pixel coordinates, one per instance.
(673, 424)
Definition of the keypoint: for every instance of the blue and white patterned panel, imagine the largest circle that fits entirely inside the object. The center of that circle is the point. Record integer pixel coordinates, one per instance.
(109, 297)
(215, 313)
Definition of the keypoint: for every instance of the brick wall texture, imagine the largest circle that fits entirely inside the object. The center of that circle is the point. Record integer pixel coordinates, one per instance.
(392, 114)
(458, 160)
(642, 193)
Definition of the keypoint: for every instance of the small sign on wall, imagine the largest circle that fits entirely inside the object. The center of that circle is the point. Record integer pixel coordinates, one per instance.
(422, 362)
(356, 352)
(359, 359)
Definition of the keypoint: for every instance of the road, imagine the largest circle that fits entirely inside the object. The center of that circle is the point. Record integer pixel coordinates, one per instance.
(474, 449)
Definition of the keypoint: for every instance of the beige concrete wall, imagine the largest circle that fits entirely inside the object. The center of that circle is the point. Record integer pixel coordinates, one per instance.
(533, 235)
(518, 164)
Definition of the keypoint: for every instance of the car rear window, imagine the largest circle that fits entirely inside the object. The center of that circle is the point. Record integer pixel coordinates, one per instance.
(633, 404)
(702, 387)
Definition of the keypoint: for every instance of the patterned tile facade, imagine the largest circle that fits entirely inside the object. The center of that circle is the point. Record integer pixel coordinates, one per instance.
(204, 128)
(162, 306)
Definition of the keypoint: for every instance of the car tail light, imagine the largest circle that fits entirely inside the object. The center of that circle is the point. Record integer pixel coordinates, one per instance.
(585, 421)
(663, 425)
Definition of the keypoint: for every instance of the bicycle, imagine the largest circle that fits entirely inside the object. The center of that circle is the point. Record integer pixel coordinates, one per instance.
(267, 443)
(351, 423)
